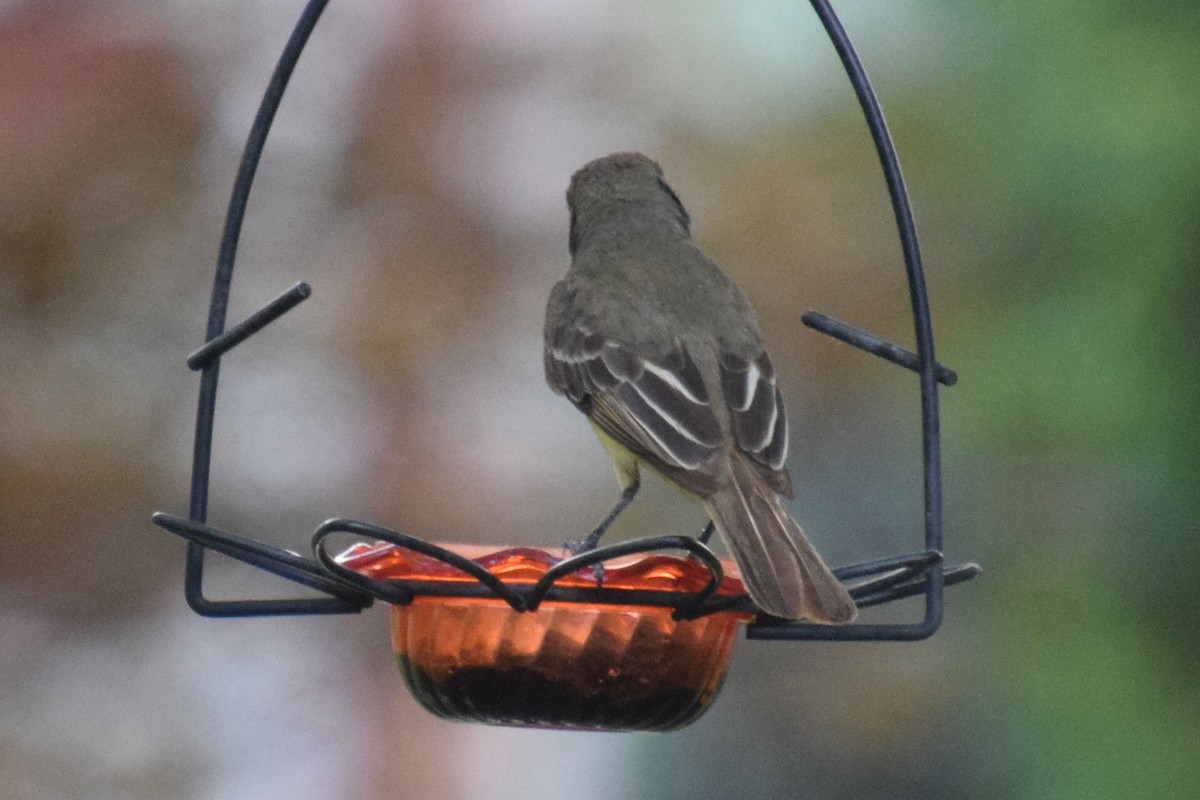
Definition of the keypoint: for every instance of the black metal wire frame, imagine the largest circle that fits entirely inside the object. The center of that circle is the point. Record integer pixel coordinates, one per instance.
(346, 591)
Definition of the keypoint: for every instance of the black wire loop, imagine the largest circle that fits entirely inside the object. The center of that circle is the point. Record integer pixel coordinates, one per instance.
(525, 597)
(400, 592)
(346, 591)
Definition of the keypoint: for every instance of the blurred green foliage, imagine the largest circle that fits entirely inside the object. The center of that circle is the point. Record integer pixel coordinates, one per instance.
(1068, 183)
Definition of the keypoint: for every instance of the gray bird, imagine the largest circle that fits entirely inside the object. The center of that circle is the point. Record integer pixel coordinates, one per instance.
(662, 352)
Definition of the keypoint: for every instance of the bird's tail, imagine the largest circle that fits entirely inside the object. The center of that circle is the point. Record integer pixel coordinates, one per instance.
(782, 572)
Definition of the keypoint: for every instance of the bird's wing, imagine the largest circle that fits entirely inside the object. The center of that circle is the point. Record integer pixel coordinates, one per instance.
(655, 405)
(757, 417)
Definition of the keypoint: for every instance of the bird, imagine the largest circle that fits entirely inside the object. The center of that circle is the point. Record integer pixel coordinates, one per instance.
(662, 352)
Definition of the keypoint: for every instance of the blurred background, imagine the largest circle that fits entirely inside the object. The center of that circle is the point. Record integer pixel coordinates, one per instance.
(416, 177)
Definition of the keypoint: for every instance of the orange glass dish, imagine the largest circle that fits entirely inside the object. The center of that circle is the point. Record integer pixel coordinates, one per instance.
(567, 664)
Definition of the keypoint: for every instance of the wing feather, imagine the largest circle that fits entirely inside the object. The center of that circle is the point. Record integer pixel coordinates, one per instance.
(757, 417)
(655, 405)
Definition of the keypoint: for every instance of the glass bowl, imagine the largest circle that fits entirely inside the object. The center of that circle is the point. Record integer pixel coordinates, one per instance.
(567, 664)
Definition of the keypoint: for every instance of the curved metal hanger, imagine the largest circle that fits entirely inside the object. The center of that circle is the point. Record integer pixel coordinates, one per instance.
(880, 581)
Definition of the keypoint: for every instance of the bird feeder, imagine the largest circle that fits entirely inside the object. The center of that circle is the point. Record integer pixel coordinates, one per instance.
(631, 636)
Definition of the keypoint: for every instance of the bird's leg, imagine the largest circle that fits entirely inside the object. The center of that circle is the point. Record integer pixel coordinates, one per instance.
(627, 494)
(707, 533)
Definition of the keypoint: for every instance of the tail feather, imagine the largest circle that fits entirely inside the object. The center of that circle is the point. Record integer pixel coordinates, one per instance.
(782, 572)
